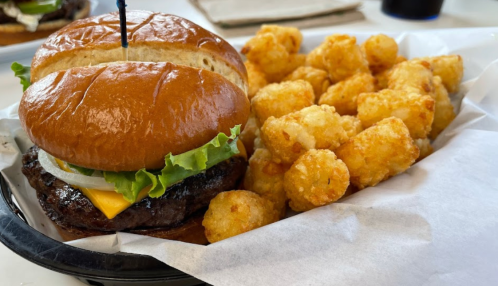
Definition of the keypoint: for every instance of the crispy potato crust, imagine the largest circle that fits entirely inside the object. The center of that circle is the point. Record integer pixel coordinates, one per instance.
(319, 79)
(343, 95)
(449, 68)
(412, 76)
(314, 127)
(381, 52)
(317, 178)
(444, 113)
(235, 212)
(416, 111)
(279, 99)
(266, 178)
(378, 153)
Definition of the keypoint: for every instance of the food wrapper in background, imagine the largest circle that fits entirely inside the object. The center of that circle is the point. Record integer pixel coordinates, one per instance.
(435, 224)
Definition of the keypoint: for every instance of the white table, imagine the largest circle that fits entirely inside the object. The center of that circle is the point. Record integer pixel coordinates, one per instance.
(15, 270)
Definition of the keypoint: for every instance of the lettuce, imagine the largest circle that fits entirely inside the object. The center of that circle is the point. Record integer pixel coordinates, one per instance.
(177, 167)
(82, 170)
(22, 72)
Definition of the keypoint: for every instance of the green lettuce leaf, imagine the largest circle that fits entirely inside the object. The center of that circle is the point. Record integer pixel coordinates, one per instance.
(177, 168)
(22, 72)
(82, 170)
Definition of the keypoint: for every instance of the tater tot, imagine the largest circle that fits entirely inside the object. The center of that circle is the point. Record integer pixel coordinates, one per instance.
(378, 153)
(235, 212)
(352, 125)
(416, 110)
(443, 113)
(382, 77)
(343, 57)
(449, 68)
(317, 178)
(271, 57)
(256, 79)
(258, 142)
(266, 178)
(289, 37)
(412, 76)
(343, 95)
(319, 79)
(314, 127)
(424, 145)
(249, 133)
(400, 59)
(315, 57)
(279, 99)
(380, 51)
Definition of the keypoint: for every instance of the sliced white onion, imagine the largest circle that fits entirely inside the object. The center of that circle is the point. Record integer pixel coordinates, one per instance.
(47, 161)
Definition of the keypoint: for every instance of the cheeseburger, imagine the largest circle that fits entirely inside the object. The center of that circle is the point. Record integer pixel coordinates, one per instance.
(140, 146)
(27, 20)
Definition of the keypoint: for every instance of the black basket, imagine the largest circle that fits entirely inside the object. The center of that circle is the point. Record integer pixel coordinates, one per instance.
(92, 268)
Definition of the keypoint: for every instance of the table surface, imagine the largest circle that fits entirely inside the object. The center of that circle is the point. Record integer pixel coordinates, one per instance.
(15, 270)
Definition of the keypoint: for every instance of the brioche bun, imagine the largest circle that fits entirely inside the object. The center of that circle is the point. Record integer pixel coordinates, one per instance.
(152, 37)
(128, 116)
(13, 33)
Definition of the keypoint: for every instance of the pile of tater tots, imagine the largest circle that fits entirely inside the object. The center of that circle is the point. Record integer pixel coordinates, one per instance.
(330, 123)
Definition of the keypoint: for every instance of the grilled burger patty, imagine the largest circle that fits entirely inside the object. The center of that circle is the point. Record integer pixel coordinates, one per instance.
(69, 208)
(66, 11)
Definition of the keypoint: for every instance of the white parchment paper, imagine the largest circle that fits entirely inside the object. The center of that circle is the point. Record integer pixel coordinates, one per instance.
(435, 224)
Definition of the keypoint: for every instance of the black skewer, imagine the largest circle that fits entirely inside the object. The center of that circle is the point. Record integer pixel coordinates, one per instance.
(122, 22)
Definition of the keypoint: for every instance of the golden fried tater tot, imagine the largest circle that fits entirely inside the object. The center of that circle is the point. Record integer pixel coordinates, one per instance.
(278, 99)
(381, 52)
(351, 124)
(382, 79)
(400, 59)
(444, 113)
(271, 57)
(449, 68)
(424, 145)
(343, 95)
(412, 76)
(314, 127)
(315, 57)
(383, 76)
(319, 79)
(343, 57)
(416, 110)
(317, 178)
(289, 37)
(249, 133)
(258, 142)
(255, 78)
(266, 178)
(235, 212)
(378, 153)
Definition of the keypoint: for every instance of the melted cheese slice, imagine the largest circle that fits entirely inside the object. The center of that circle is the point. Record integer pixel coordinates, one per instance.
(108, 202)
(111, 203)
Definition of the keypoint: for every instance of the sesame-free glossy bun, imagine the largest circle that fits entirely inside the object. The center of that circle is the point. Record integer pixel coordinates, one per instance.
(152, 37)
(127, 116)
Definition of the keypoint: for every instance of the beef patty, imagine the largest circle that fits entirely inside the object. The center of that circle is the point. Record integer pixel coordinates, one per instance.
(69, 208)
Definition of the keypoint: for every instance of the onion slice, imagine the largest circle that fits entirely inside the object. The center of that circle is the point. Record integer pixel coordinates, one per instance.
(47, 161)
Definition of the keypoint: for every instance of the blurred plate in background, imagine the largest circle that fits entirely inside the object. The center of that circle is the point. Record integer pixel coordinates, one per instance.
(24, 50)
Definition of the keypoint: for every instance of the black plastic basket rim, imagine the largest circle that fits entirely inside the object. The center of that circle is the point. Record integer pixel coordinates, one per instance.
(42, 250)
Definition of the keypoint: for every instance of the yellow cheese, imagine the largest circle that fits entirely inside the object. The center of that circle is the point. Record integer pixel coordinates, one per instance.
(108, 202)
(111, 203)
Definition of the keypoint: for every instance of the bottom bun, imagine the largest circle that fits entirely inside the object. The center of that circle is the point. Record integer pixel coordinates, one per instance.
(190, 231)
(13, 33)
